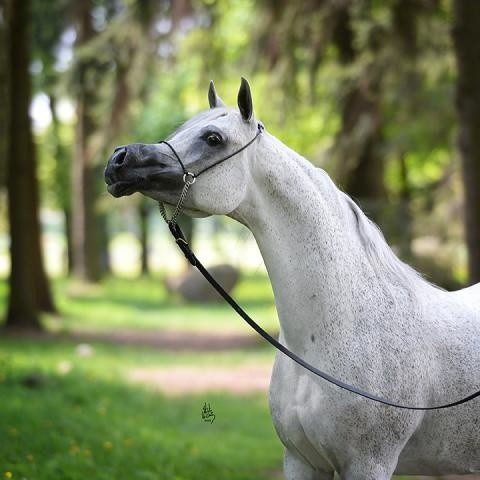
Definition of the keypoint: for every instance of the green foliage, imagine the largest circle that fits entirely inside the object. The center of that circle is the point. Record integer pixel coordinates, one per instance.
(302, 62)
(49, 21)
(55, 147)
(164, 110)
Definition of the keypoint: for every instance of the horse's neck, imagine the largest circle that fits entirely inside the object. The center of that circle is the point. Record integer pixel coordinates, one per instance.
(307, 235)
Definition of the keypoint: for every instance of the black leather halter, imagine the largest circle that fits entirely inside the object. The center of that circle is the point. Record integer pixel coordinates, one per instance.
(189, 179)
(260, 129)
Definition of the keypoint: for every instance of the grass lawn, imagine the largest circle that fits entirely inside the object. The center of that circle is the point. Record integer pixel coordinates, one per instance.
(67, 416)
(90, 423)
(143, 303)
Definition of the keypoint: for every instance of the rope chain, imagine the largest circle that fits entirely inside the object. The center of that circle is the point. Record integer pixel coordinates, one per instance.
(178, 207)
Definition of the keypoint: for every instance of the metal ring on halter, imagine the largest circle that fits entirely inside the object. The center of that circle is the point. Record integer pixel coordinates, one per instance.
(186, 179)
(189, 178)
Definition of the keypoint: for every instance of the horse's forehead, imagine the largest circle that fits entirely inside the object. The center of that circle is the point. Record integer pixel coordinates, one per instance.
(204, 118)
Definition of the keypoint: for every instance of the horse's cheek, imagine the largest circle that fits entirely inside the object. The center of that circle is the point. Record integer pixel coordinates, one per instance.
(220, 201)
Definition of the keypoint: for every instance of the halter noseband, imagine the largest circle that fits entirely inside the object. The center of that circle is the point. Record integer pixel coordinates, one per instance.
(190, 177)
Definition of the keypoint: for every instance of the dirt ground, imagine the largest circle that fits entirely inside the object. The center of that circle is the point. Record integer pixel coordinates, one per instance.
(184, 380)
(171, 340)
(181, 380)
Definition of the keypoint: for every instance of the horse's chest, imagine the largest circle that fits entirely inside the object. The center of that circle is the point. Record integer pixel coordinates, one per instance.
(298, 410)
(326, 426)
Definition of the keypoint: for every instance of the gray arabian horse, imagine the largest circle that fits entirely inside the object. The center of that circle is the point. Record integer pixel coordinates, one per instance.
(346, 304)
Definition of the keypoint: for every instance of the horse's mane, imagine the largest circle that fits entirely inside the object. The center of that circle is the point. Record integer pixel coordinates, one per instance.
(380, 255)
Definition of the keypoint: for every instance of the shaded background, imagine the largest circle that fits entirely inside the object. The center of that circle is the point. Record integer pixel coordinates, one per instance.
(383, 95)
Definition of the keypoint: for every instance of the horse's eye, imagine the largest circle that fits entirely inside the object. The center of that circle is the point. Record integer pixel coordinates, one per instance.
(213, 139)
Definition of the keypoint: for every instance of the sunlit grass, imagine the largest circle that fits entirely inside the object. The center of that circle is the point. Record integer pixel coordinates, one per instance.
(144, 303)
(111, 362)
(85, 421)
(73, 416)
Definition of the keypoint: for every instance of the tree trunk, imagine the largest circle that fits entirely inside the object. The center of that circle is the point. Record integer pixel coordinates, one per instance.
(29, 288)
(360, 138)
(467, 49)
(84, 221)
(366, 178)
(104, 263)
(67, 215)
(62, 188)
(359, 143)
(404, 213)
(4, 97)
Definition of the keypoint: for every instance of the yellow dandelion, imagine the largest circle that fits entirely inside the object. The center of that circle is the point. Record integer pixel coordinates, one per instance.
(74, 449)
(8, 475)
(107, 445)
(30, 457)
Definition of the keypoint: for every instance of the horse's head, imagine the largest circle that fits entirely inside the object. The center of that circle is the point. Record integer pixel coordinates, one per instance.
(156, 171)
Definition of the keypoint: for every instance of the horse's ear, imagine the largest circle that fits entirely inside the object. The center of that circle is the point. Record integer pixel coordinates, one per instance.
(244, 100)
(213, 99)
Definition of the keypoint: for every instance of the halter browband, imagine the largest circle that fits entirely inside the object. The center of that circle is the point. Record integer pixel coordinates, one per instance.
(188, 180)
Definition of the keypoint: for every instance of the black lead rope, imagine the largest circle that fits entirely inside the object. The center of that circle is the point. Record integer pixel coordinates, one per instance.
(194, 261)
(192, 258)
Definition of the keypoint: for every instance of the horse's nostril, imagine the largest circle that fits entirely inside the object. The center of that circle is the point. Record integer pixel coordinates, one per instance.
(119, 157)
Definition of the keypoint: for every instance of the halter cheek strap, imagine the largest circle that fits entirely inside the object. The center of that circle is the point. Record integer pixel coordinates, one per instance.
(190, 177)
(260, 129)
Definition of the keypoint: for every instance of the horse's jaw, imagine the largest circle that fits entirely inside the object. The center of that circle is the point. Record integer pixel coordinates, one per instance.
(195, 213)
